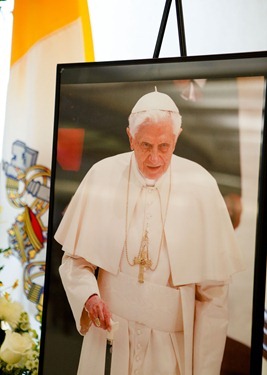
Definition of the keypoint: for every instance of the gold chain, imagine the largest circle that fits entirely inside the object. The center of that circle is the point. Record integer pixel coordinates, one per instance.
(162, 220)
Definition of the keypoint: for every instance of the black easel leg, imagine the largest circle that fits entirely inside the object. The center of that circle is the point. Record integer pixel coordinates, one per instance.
(162, 28)
(180, 25)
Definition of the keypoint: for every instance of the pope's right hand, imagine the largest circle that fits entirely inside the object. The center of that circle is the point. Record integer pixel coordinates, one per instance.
(98, 312)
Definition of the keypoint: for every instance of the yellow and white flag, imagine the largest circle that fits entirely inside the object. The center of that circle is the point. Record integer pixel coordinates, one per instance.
(45, 33)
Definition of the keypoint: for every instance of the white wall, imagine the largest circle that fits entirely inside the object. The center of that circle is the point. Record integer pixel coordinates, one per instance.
(128, 29)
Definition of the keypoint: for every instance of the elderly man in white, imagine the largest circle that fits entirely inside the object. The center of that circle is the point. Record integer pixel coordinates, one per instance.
(157, 229)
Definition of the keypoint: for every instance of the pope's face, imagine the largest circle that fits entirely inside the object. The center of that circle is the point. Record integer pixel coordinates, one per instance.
(153, 146)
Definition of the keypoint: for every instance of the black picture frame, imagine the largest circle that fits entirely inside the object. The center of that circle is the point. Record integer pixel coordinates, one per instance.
(96, 99)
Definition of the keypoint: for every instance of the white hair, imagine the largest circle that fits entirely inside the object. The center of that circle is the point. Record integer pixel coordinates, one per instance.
(155, 116)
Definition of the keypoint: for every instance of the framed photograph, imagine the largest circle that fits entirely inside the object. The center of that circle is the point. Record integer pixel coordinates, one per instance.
(222, 102)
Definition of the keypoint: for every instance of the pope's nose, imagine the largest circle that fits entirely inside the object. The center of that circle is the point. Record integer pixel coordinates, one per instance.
(154, 156)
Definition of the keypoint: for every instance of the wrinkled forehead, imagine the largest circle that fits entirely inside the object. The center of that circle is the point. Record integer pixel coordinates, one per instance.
(155, 129)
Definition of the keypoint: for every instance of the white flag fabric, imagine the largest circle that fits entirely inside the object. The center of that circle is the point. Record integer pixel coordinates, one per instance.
(45, 33)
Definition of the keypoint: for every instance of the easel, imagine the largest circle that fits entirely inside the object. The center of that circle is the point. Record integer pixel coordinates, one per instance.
(180, 26)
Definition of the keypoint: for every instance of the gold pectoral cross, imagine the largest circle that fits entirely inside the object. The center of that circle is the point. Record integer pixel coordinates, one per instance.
(143, 259)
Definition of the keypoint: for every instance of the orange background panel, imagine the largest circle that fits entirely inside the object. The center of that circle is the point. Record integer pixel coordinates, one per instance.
(70, 148)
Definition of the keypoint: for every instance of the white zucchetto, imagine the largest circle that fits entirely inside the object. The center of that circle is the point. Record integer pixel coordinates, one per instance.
(155, 101)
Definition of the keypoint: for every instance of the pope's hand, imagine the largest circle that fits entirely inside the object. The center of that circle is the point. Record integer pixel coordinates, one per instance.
(98, 312)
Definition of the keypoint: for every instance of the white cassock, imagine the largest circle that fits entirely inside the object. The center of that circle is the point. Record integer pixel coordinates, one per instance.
(176, 321)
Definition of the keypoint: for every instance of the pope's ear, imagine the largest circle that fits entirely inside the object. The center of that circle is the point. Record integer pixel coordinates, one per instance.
(130, 137)
(179, 133)
(177, 136)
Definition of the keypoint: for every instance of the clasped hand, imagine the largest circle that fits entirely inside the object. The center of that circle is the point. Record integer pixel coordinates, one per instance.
(98, 312)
